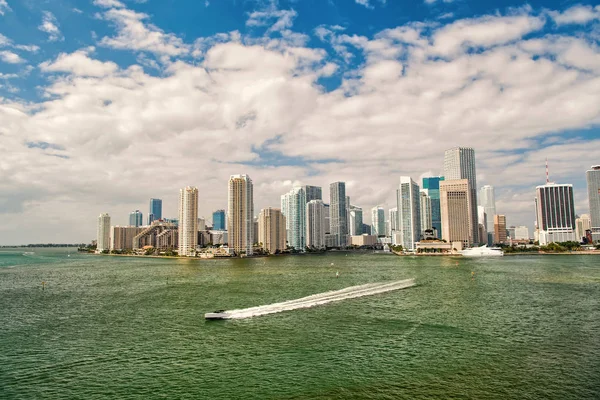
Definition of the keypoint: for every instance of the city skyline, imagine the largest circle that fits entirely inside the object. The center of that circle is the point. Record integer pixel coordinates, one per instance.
(422, 77)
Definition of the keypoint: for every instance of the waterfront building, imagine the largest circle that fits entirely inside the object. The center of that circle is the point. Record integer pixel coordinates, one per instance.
(487, 199)
(313, 193)
(136, 218)
(271, 230)
(555, 210)
(378, 221)
(240, 214)
(155, 210)
(161, 235)
(459, 163)
(174, 221)
(326, 210)
(315, 224)
(521, 233)
(218, 237)
(218, 218)
(455, 207)
(500, 228)
(482, 219)
(431, 186)
(201, 224)
(593, 185)
(294, 210)
(121, 237)
(409, 212)
(355, 221)
(103, 233)
(582, 224)
(188, 221)
(255, 230)
(338, 213)
(393, 218)
(426, 218)
(363, 240)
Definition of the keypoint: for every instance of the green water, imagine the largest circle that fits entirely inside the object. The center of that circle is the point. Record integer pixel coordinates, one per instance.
(526, 327)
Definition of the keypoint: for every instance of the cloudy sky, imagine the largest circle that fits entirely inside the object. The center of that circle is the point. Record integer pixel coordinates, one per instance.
(106, 103)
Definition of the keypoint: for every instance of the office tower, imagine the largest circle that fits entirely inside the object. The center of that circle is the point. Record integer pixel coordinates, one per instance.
(313, 193)
(459, 163)
(487, 199)
(482, 219)
(103, 233)
(426, 219)
(393, 216)
(255, 230)
(294, 203)
(240, 214)
(315, 224)
(593, 184)
(455, 207)
(136, 218)
(201, 224)
(338, 213)
(355, 221)
(431, 186)
(326, 210)
(582, 224)
(155, 210)
(409, 212)
(121, 237)
(500, 228)
(271, 230)
(219, 220)
(555, 211)
(378, 221)
(188, 221)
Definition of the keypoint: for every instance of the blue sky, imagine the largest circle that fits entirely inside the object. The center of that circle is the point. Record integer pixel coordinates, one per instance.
(106, 103)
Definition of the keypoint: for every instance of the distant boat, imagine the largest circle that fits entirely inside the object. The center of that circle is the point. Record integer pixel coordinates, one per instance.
(28, 253)
(483, 251)
(332, 264)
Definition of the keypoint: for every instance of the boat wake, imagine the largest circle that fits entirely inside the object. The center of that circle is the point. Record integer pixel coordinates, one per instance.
(313, 300)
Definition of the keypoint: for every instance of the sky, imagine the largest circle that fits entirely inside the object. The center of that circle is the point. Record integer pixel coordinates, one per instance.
(107, 103)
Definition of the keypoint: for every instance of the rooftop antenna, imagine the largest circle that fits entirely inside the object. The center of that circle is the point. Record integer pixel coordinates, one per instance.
(547, 175)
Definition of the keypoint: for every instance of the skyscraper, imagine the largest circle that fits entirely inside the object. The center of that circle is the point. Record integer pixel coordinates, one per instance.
(426, 219)
(555, 210)
(455, 207)
(313, 193)
(136, 218)
(431, 185)
(393, 217)
(219, 220)
(582, 224)
(459, 163)
(188, 221)
(409, 212)
(271, 230)
(103, 233)
(482, 219)
(378, 221)
(338, 215)
(240, 214)
(487, 199)
(295, 215)
(315, 224)
(355, 221)
(155, 210)
(500, 228)
(593, 184)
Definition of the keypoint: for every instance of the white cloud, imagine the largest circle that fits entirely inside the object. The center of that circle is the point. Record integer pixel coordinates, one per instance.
(578, 14)
(79, 64)
(10, 57)
(4, 7)
(364, 3)
(109, 3)
(50, 26)
(277, 19)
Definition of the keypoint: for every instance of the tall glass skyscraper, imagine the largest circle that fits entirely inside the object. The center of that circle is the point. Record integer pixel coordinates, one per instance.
(593, 184)
(155, 210)
(313, 193)
(378, 221)
(459, 163)
(295, 215)
(409, 212)
(218, 219)
(431, 186)
(136, 218)
(338, 215)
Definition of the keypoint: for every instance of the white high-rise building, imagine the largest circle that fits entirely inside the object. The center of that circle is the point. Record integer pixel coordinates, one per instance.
(240, 214)
(355, 221)
(103, 233)
(315, 224)
(378, 221)
(426, 221)
(409, 212)
(459, 163)
(555, 210)
(393, 217)
(338, 214)
(295, 216)
(593, 184)
(482, 218)
(188, 221)
(487, 199)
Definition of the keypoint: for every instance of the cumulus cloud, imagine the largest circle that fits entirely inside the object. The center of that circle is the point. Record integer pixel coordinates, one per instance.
(79, 64)
(10, 57)
(578, 14)
(50, 26)
(4, 7)
(109, 3)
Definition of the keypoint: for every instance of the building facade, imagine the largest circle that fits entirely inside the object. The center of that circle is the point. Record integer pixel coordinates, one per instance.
(188, 221)
(295, 216)
(355, 221)
(155, 210)
(582, 224)
(393, 218)
(593, 185)
(218, 218)
(313, 193)
(240, 214)
(455, 206)
(409, 212)
(459, 163)
(103, 233)
(487, 199)
(121, 237)
(315, 224)
(338, 216)
(378, 221)
(500, 228)
(555, 211)
(136, 218)
(271, 230)
(426, 217)
(431, 186)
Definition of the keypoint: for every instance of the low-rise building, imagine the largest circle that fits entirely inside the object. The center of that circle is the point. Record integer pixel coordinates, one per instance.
(363, 240)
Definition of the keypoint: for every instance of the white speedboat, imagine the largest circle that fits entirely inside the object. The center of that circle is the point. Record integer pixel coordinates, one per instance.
(483, 251)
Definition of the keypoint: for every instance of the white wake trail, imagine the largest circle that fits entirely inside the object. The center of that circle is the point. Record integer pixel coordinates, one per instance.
(314, 300)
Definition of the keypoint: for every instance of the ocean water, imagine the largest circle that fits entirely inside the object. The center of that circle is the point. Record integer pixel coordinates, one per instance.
(521, 327)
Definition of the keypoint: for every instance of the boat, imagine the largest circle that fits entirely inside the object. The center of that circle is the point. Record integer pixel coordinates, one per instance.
(482, 251)
(219, 314)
